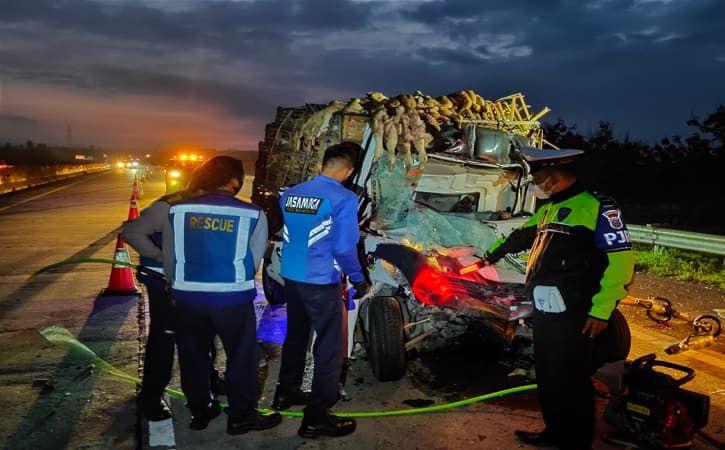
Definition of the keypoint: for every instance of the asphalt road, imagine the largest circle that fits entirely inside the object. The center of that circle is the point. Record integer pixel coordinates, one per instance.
(54, 397)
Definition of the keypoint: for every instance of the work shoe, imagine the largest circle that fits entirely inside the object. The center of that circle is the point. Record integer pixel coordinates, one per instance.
(200, 419)
(327, 424)
(540, 439)
(284, 398)
(252, 422)
(154, 411)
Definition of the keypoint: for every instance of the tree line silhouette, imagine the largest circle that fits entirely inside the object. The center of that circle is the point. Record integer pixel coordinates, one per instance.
(676, 182)
(32, 153)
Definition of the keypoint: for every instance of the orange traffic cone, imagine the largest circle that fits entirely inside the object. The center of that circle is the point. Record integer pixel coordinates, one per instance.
(136, 188)
(121, 281)
(133, 209)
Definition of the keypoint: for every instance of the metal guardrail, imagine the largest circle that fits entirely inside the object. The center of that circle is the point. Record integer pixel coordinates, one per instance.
(22, 177)
(686, 240)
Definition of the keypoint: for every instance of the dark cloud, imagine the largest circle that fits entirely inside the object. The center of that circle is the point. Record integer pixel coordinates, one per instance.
(241, 101)
(14, 120)
(443, 10)
(20, 128)
(212, 23)
(644, 65)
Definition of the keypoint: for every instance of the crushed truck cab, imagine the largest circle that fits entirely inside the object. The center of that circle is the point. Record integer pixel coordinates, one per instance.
(439, 180)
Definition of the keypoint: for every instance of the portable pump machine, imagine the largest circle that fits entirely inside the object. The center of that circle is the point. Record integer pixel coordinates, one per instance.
(651, 410)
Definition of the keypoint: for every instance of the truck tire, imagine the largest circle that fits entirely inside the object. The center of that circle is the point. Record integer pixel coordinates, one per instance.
(386, 347)
(614, 342)
(273, 291)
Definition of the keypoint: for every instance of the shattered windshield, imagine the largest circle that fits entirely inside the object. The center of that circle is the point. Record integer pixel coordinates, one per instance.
(443, 203)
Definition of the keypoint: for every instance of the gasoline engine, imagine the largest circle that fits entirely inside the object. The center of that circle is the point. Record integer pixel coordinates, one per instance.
(651, 410)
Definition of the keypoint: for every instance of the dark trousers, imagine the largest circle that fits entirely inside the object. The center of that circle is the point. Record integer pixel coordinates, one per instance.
(159, 354)
(160, 344)
(319, 308)
(563, 367)
(197, 324)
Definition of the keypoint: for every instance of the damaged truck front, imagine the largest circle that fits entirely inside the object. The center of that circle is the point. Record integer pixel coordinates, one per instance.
(438, 180)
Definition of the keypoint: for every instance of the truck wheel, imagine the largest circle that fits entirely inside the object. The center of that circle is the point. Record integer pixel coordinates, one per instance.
(386, 347)
(273, 291)
(614, 342)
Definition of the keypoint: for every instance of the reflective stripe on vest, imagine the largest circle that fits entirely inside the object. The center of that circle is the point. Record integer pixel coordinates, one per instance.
(191, 219)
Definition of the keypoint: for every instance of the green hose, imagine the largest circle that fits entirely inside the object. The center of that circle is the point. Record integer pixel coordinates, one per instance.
(429, 409)
(115, 262)
(68, 262)
(57, 334)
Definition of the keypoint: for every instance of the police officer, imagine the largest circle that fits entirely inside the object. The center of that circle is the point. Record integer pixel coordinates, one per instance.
(579, 265)
(214, 248)
(144, 235)
(320, 235)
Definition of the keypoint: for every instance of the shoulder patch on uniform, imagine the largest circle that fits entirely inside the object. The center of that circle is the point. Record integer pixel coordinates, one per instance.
(302, 204)
(614, 216)
(563, 213)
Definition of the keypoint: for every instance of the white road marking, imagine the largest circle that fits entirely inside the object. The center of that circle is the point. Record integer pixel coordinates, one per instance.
(161, 433)
(40, 195)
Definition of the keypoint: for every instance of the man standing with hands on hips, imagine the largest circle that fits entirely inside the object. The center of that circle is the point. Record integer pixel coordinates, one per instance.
(320, 235)
(580, 263)
(145, 235)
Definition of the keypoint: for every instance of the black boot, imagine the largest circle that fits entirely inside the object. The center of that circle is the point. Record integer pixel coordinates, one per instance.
(315, 424)
(541, 439)
(252, 422)
(154, 410)
(285, 398)
(200, 419)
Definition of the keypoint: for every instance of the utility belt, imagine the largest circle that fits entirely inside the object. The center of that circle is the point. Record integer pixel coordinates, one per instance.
(152, 275)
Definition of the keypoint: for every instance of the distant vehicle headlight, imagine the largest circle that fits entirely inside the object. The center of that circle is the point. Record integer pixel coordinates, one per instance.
(120, 165)
(174, 174)
(134, 164)
(128, 164)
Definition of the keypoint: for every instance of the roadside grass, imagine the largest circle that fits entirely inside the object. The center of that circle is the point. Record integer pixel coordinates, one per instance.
(681, 265)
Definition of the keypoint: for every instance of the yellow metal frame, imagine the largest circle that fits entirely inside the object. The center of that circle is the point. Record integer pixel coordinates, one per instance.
(511, 113)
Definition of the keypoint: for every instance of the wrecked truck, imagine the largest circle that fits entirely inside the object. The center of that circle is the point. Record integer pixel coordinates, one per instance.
(438, 180)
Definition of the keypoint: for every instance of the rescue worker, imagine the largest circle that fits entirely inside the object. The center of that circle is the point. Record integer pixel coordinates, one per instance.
(320, 235)
(578, 269)
(144, 234)
(213, 251)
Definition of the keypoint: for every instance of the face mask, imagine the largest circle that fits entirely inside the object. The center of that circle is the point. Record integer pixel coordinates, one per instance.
(540, 190)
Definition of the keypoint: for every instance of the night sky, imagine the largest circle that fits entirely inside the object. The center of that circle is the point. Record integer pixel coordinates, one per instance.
(164, 73)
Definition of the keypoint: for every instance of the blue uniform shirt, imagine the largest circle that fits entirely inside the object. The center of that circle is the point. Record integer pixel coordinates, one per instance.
(320, 232)
(213, 259)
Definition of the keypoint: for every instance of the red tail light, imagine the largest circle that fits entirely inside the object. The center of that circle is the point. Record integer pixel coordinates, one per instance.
(432, 287)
